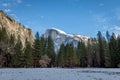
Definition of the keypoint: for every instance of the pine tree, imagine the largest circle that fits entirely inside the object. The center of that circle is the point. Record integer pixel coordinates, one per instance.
(95, 53)
(5, 49)
(36, 50)
(66, 55)
(89, 53)
(50, 51)
(78, 53)
(101, 49)
(81, 54)
(43, 43)
(70, 56)
(17, 57)
(113, 47)
(107, 51)
(118, 52)
(107, 55)
(60, 57)
(28, 55)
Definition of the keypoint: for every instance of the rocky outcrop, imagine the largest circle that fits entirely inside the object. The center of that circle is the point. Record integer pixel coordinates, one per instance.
(59, 37)
(16, 29)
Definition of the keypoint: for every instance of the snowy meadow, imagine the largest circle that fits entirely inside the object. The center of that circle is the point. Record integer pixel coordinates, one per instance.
(59, 74)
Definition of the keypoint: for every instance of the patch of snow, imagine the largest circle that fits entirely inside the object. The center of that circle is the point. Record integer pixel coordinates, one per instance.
(82, 36)
(70, 35)
(59, 74)
(62, 32)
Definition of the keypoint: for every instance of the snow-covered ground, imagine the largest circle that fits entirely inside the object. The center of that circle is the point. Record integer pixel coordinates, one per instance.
(59, 74)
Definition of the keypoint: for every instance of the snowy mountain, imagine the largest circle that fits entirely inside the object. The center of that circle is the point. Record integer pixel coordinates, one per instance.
(59, 37)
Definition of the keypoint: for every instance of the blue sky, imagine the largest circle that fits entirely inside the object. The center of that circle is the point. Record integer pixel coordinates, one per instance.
(84, 17)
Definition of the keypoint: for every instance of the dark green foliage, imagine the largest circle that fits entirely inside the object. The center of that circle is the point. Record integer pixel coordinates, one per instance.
(37, 47)
(5, 49)
(43, 46)
(90, 53)
(43, 43)
(83, 57)
(114, 51)
(67, 56)
(28, 55)
(50, 51)
(107, 55)
(70, 56)
(118, 53)
(101, 50)
(36, 50)
(17, 57)
(60, 56)
(81, 54)
(78, 53)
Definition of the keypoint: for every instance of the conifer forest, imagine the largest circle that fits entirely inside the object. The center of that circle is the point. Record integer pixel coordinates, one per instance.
(100, 52)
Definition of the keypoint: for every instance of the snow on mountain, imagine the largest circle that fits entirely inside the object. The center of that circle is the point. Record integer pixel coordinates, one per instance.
(59, 37)
(60, 31)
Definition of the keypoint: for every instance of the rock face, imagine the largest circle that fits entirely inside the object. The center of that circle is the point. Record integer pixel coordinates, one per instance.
(15, 28)
(60, 37)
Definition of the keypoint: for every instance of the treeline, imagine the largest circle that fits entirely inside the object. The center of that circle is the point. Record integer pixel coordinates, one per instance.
(97, 52)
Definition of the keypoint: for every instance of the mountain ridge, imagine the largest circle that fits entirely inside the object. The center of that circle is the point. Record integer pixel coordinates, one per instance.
(60, 37)
(15, 28)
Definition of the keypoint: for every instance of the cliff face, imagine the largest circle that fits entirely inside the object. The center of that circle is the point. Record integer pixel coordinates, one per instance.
(59, 37)
(15, 28)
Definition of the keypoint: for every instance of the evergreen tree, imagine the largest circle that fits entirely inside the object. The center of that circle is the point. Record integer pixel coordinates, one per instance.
(113, 47)
(101, 49)
(66, 55)
(118, 50)
(107, 51)
(50, 51)
(95, 53)
(81, 54)
(28, 55)
(17, 57)
(36, 50)
(107, 55)
(89, 53)
(5, 49)
(60, 58)
(43, 45)
(70, 56)
(78, 53)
